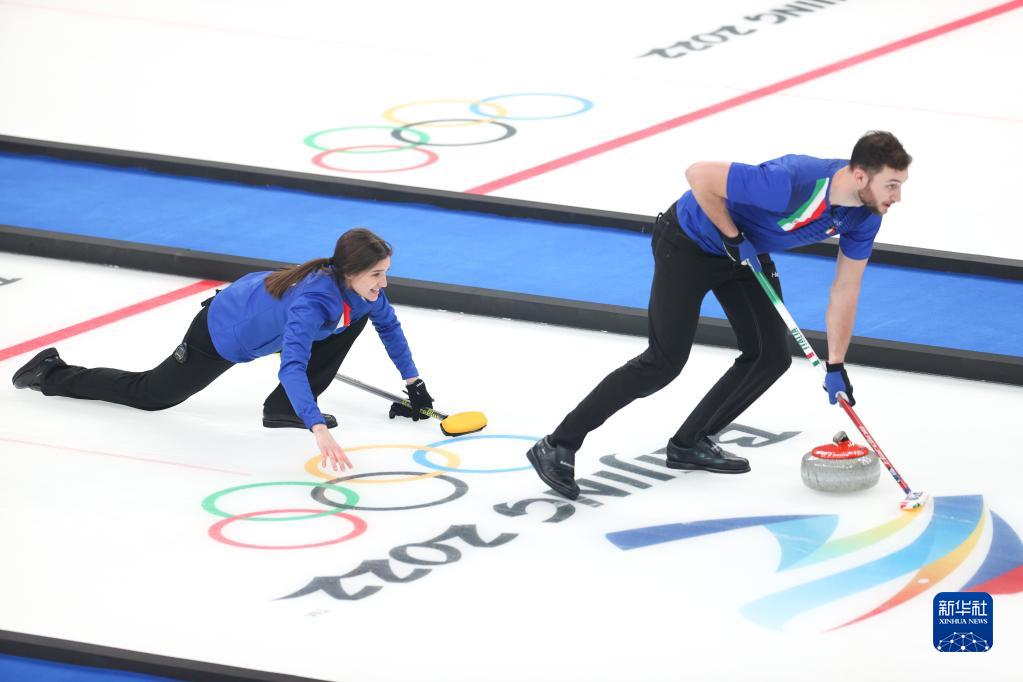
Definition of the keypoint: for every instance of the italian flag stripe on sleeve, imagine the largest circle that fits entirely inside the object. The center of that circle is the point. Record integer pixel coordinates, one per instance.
(809, 211)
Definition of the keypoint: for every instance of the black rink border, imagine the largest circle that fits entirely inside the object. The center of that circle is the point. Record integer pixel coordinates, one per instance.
(493, 303)
(109, 658)
(925, 259)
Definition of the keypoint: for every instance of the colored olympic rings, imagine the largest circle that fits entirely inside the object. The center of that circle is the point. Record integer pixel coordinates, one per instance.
(210, 503)
(320, 490)
(501, 111)
(310, 140)
(586, 105)
(420, 456)
(217, 529)
(411, 133)
(319, 158)
(397, 132)
(312, 466)
(319, 494)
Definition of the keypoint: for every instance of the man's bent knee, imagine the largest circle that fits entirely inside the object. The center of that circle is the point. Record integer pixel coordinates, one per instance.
(777, 363)
(653, 372)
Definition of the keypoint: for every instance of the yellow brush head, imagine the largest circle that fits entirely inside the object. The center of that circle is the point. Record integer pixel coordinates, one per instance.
(463, 423)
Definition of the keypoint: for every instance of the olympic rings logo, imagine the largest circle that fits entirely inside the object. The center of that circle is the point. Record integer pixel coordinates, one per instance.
(410, 122)
(339, 497)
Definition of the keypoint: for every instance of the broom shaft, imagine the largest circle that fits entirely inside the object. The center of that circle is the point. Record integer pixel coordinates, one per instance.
(389, 396)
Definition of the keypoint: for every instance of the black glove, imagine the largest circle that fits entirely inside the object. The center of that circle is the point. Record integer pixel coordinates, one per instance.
(399, 410)
(739, 249)
(837, 381)
(420, 399)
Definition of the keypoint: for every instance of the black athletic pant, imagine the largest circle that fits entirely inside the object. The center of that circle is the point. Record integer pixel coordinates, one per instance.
(683, 275)
(173, 381)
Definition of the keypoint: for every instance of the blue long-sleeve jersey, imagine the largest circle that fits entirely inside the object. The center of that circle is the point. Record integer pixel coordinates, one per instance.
(246, 323)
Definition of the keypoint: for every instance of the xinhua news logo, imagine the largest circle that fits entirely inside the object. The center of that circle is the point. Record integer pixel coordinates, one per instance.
(963, 622)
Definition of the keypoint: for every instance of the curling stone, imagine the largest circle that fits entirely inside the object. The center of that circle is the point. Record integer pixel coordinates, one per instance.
(840, 466)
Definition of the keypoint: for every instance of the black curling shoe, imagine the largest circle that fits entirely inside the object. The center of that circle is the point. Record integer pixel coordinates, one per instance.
(32, 373)
(291, 421)
(706, 455)
(555, 465)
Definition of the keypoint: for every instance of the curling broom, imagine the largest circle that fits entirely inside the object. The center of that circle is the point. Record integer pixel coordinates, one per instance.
(450, 425)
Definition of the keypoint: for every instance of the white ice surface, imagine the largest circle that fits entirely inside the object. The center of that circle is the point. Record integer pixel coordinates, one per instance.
(105, 540)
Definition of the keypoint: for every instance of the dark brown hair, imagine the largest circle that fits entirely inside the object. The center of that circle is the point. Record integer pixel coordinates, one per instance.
(357, 250)
(878, 149)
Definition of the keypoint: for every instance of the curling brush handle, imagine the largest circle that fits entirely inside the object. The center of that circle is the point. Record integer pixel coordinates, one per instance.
(389, 396)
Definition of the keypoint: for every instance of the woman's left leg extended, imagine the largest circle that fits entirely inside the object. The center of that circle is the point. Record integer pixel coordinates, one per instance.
(169, 383)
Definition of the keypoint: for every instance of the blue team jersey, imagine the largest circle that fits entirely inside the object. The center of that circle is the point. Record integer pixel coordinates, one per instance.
(781, 204)
(246, 322)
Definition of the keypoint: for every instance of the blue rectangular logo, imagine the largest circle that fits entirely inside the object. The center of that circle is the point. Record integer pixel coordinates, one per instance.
(963, 621)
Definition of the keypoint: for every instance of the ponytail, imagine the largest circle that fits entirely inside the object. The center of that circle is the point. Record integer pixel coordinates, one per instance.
(357, 250)
(277, 283)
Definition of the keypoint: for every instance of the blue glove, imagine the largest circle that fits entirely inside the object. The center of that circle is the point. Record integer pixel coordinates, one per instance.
(837, 381)
(739, 249)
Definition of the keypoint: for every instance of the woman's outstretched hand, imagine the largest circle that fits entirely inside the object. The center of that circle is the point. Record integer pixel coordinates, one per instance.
(330, 450)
